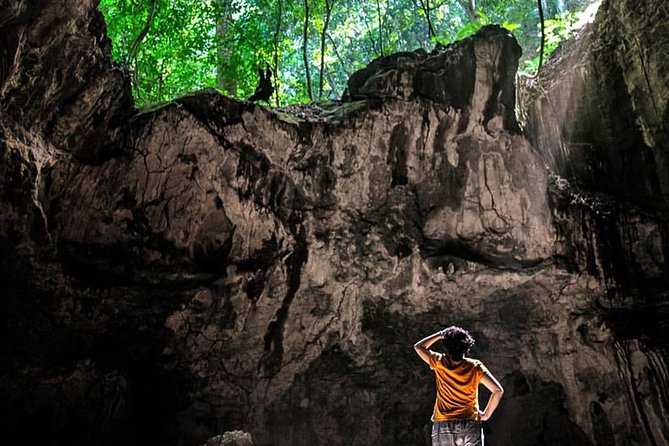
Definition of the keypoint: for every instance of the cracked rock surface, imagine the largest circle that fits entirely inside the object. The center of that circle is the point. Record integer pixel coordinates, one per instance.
(212, 265)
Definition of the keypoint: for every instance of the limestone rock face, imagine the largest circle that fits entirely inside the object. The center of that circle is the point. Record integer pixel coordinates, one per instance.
(613, 143)
(463, 170)
(472, 76)
(610, 152)
(216, 266)
(601, 127)
(56, 77)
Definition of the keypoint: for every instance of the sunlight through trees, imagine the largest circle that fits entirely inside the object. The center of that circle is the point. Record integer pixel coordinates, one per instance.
(173, 47)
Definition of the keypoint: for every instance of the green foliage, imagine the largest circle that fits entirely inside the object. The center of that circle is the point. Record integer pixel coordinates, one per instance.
(561, 27)
(176, 56)
(472, 27)
(195, 44)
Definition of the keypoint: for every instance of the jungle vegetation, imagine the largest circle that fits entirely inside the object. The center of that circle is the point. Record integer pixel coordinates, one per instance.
(173, 47)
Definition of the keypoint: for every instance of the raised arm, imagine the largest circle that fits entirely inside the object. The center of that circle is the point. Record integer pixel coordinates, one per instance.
(495, 387)
(422, 346)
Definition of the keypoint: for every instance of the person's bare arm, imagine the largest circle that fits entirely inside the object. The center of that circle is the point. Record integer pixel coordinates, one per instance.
(422, 347)
(497, 391)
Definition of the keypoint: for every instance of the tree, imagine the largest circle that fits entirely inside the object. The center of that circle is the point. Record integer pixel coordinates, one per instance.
(328, 14)
(277, 36)
(178, 46)
(469, 6)
(380, 22)
(224, 79)
(543, 34)
(425, 7)
(305, 55)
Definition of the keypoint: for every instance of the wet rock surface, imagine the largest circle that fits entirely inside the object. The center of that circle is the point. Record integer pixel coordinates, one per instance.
(212, 265)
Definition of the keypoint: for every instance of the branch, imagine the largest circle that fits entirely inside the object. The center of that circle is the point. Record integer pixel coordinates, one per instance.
(371, 37)
(341, 61)
(132, 55)
(135, 46)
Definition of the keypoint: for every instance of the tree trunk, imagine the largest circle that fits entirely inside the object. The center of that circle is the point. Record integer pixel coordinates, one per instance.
(543, 34)
(378, 13)
(277, 34)
(305, 37)
(370, 34)
(328, 13)
(425, 6)
(470, 8)
(225, 79)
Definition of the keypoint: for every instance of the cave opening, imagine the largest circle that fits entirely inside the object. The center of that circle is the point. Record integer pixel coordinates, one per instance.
(183, 266)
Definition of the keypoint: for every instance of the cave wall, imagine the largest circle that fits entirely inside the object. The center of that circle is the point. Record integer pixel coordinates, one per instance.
(612, 143)
(596, 115)
(212, 265)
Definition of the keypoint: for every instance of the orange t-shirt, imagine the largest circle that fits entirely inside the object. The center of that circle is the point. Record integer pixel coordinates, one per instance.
(457, 387)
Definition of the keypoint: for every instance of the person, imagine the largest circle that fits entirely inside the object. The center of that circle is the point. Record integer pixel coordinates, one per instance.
(456, 417)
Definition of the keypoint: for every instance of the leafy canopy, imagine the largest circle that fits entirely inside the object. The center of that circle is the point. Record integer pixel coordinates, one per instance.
(194, 44)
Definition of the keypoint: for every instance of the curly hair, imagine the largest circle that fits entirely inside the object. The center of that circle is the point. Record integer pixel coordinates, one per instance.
(458, 342)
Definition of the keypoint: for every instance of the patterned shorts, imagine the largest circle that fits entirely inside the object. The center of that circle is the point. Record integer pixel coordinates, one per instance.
(457, 433)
